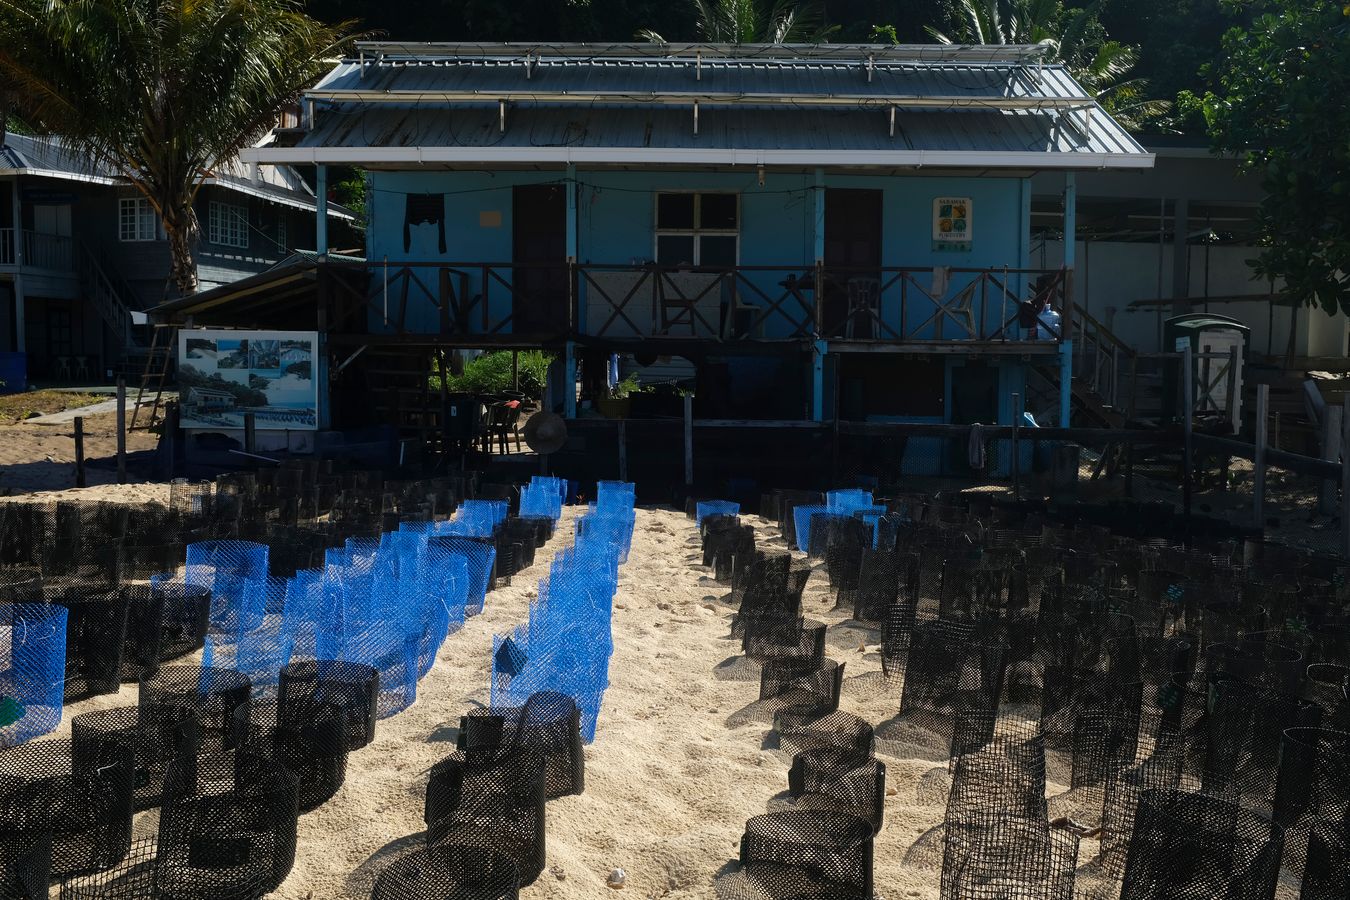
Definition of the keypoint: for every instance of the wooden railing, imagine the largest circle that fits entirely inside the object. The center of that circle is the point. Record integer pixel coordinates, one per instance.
(1102, 361)
(740, 303)
(53, 252)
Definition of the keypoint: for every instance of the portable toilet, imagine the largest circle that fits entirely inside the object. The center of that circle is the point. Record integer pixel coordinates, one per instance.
(1212, 339)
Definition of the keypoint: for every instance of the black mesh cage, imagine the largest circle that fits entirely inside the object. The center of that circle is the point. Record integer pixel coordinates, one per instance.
(448, 873)
(310, 740)
(1005, 776)
(799, 639)
(1326, 875)
(184, 618)
(809, 853)
(1000, 857)
(1242, 728)
(352, 688)
(882, 575)
(138, 878)
(156, 735)
(78, 797)
(215, 694)
(802, 684)
(548, 725)
(1188, 845)
(840, 779)
(227, 826)
(948, 669)
(1124, 786)
(491, 800)
(1313, 786)
(803, 729)
(144, 632)
(25, 863)
(96, 626)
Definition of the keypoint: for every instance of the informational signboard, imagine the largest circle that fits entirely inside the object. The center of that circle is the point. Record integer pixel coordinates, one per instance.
(952, 224)
(272, 374)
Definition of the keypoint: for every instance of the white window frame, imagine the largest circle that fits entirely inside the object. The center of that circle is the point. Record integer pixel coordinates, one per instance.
(697, 231)
(227, 225)
(136, 220)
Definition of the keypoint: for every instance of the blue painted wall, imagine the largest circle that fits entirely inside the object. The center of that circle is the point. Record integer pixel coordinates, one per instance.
(616, 226)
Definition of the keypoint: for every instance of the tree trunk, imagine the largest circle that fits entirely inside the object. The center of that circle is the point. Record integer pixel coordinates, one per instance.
(180, 226)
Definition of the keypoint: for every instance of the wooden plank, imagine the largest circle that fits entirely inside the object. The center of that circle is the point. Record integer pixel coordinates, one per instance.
(80, 480)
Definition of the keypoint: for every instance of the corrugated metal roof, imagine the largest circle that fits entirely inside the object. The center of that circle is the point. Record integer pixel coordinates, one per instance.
(717, 78)
(558, 105)
(47, 155)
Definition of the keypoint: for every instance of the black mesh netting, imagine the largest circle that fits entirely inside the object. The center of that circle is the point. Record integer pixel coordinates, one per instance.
(1328, 685)
(492, 800)
(1124, 786)
(138, 878)
(771, 591)
(227, 826)
(79, 796)
(548, 725)
(25, 864)
(801, 684)
(726, 543)
(309, 739)
(1187, 845)
(799, 640)
(883, 578)
(800, 730)
(1006, 776)
(156, 735)
(185, 617)
(215, 694)
(840, 779)
(949, 668)
(809, 854)
(995, 856)
(96, 625)
(1242, 729)
(352, 688)
(1327, 873)
(448, 873)
(144, 631)
(1313, 786)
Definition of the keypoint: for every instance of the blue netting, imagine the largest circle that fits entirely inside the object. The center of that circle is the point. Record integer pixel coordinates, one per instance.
(226, 569)
(480, 555)
(715, 508)
(543, 496)
(801, 517)
(846, 501)
(32, 670)
(566, 644)
(615, 495)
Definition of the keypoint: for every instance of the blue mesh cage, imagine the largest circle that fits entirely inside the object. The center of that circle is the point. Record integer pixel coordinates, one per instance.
(480, 555)
(387, 648)
(32, 670)
(445, 576)
(614, 495)
(801, 516)
(847, 501)
(226, 568)
(715, 508)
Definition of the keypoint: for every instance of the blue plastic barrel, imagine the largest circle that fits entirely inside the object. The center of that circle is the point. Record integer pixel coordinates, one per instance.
(13, 373)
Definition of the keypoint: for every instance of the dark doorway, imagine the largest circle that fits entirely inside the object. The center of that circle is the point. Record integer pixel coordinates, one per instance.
(539, 255)
(852, 262)
(974, 399)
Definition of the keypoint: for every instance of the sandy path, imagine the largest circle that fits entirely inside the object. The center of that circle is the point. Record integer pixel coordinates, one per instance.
(674, 772)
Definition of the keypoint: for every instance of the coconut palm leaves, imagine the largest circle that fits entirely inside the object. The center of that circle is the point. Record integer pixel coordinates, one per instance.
(161, 90)
(757, 22)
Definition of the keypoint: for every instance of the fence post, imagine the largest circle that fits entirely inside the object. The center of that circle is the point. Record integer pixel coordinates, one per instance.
(1331, 452)
(1345, 475)
(688, 441)
(1188, 409)
(623, 450)
(79, 452)
(121, 431)
(1259, 463)
(1234, 401)
(250, 433)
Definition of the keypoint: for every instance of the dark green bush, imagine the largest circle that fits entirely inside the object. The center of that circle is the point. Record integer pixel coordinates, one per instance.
(491, 374)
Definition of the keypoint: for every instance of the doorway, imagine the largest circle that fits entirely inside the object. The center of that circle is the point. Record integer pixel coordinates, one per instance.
(539, 257)
(852, 261)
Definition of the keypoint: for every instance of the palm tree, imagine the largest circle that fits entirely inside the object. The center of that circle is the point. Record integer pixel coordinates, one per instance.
(757, 22)
(161, 90)
(1074, 38)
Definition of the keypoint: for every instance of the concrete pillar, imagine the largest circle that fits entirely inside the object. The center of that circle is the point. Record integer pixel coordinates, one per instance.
(321, 211)
(1181, 256)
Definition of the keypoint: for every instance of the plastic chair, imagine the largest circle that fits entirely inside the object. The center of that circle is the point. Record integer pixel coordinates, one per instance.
(864, 308)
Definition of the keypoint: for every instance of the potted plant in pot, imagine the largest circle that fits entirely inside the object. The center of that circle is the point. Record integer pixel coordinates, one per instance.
(619, 401)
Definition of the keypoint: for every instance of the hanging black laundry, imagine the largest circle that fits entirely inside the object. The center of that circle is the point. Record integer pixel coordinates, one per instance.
(424, 209)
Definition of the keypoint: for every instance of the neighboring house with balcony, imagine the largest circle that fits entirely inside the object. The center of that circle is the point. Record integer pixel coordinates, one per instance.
(82, 253)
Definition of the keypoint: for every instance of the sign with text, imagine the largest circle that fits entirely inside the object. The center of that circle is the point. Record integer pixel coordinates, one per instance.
(224, 374)
(952, 224)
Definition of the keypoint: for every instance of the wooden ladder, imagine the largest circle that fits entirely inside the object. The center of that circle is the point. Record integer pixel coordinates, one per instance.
(157, 364)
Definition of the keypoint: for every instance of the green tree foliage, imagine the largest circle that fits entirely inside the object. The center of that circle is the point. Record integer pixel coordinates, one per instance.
(1280, 100)
(491, 374)
(756, 22)
(160, 90)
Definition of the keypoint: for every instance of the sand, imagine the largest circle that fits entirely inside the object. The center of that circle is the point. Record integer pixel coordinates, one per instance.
(41, 458)
(670, 779)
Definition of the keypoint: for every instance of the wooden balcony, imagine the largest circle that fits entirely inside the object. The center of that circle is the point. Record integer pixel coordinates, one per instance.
(622, 306)
(45, 252)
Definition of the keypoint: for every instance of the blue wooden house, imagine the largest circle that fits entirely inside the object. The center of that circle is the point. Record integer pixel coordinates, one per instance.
(812, 231)
(82, 253)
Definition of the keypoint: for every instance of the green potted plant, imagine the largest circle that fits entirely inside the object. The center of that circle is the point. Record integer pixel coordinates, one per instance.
(619, 401)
